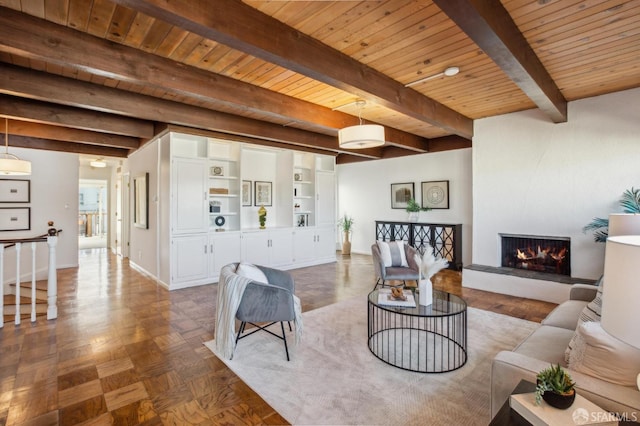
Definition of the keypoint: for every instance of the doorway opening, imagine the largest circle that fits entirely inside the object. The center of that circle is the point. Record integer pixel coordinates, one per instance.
(93, 215)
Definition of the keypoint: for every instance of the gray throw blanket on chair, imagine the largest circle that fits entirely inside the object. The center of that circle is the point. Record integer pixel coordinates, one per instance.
(231, 287)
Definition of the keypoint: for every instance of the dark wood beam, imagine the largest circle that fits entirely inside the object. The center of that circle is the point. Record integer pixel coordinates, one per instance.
(30, 37)
(67, 134)
(448, 143)
(244, 28)
(42, 86)
(491, 27)
(58, 115)
(170, 128)
(77, 148)
(445, 143)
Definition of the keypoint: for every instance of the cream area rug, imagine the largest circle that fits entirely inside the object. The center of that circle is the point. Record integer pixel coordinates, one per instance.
(333, 378)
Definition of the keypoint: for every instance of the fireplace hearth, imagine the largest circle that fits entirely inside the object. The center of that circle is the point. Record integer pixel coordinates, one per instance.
(547, 254)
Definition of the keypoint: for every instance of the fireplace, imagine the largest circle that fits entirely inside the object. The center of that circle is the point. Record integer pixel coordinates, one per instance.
(546, 254)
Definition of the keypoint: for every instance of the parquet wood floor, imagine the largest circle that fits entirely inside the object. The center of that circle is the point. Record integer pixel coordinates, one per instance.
(125, 351)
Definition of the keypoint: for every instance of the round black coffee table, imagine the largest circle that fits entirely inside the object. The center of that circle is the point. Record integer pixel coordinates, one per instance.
(425, 339)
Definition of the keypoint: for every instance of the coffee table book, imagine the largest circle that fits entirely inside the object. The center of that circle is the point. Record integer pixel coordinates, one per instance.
(582, 412)
(385, 299)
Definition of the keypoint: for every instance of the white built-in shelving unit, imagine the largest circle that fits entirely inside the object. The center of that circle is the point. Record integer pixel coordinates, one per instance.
(209, 209)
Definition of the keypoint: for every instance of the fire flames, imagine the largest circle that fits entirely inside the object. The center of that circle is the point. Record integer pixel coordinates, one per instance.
(536, 259)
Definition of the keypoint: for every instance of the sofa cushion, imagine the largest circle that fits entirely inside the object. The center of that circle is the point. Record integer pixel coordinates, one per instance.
(252, 272)
(590, 313)
(596, 353)
(546, 343)
(566, 314)
(392, 253)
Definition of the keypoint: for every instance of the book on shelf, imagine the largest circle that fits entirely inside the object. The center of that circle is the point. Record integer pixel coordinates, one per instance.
(385, 299)
(581, 412)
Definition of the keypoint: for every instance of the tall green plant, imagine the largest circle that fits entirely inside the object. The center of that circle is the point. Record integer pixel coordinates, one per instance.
(630, 203)
(346, 223)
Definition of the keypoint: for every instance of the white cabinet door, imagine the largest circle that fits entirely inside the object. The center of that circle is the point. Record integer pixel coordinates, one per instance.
(255, 247)
(281, 247)
(189, 196)
(304, 241)
(325, 243)
(269, 248)
(325, 198)
(225, 249)
(189, 258)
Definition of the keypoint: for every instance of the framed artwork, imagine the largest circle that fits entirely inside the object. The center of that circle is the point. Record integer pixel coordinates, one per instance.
(141, 201)
(246, 192)
(435, 194)
(401, 193)
(15, 191)
(15, 218)
(262, 193)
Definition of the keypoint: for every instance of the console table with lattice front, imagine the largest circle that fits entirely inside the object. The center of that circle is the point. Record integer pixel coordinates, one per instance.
(445, 239)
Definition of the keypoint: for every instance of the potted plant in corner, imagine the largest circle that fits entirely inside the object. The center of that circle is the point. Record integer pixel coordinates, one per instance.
(554, 385)
(630, 203)
(413, 208)
(346, 223)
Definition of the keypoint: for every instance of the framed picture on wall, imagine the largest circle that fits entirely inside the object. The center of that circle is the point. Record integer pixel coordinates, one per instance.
(262, 193)
(435, 194)
(15, 218)
(246, 193)
(401, 193)
(15, 191)
(141, 201)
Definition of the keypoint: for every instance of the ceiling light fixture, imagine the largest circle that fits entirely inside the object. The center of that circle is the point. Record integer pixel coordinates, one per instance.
(362, 135)
(98, 163)
(9, 163)
(449, 72)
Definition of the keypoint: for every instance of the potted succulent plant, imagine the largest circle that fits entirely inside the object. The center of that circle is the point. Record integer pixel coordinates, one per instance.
(346, 223)
(413, 208)
(555, 386)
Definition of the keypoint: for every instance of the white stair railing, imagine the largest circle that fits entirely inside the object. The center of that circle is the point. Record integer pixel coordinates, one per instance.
(52, 278)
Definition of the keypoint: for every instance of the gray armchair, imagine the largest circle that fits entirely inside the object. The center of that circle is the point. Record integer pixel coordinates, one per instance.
(412, 272)
(267, 303)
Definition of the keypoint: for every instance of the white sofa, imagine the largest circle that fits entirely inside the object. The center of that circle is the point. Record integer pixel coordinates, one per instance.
(545, 346)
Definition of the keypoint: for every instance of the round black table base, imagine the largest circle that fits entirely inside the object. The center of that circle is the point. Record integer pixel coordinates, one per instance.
(429, 339)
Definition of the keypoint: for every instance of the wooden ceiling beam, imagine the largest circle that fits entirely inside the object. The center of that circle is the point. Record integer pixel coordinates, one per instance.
(246, 29)
(42, 86)
(491, 27)
(76, 118)
(67, 134)
(77, 148)
(448, 143)
(30, 37)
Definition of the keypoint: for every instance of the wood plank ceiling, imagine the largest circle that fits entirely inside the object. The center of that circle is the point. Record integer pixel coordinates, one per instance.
(101, 77)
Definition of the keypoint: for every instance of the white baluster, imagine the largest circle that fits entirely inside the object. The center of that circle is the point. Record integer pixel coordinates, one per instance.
(18, 249)
(33, 282)
(52, 280)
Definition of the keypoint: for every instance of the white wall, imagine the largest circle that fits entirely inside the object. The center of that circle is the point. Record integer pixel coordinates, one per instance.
(54, 196)
(143, 243)
(364, 192)
(531, 176)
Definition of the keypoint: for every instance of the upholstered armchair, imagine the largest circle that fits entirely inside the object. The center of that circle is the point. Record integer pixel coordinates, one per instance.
(391, 267)
(267, 298)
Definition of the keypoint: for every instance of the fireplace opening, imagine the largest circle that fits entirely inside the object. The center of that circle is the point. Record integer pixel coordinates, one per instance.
(537, 253)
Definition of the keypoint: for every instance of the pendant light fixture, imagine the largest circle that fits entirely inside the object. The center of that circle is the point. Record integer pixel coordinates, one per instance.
(10, 164)
(361, 136)
(98, 163)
